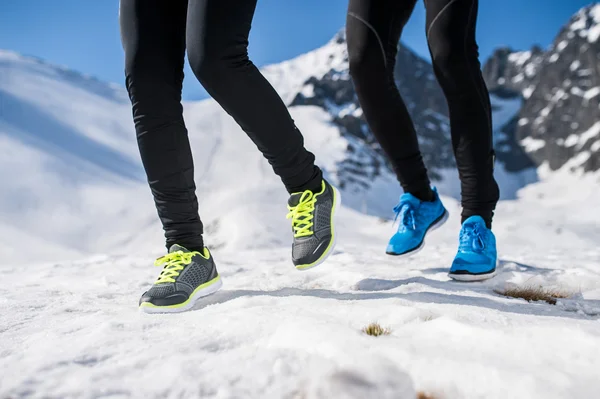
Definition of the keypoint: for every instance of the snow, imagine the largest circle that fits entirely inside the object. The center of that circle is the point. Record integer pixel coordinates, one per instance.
(554, 57)
(578, 160)
(591, 93)
(308, 91)
(531, 144)
(518, 78)
(342, 109)
(562, 45)
(545, 112)
(582, 138)
(574, 65)
(594, 32)
(520, 58)
(84, 223)
(571, 140)
(580, 23)
(530, 70)
(527, 92)
(289, 76)
(558, 95)
(587, 23)
(70, 142)
(523, 121)
(577, 91)
(276, 332)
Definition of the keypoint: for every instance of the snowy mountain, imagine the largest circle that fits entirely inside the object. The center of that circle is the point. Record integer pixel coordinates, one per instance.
(558, 125)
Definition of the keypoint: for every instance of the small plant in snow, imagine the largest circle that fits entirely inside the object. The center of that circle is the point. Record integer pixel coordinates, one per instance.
(531, 294)
(376, 330)
(428, 317)
(423, 395)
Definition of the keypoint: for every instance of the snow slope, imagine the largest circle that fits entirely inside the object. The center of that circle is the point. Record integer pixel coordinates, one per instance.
(69, 160)
(73, 196)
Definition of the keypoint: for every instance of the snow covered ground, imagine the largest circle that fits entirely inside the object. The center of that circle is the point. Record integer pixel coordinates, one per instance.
(72, 329)
(78, 234)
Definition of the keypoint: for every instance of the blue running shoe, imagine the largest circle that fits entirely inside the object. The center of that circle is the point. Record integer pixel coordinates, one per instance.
(416, 219)
(476, 257)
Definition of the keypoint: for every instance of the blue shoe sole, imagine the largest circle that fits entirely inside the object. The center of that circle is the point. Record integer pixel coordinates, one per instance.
(439, 222)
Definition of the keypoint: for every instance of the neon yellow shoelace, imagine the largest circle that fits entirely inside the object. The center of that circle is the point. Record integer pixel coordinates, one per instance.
(302, 214)
(174, 263)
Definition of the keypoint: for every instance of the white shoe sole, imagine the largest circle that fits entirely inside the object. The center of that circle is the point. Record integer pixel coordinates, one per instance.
(418, 249)
(474, 277)
(187, 305)
(336, 207)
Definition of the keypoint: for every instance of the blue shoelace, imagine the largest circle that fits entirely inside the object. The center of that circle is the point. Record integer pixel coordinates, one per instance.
(471, 239)
(406, 214)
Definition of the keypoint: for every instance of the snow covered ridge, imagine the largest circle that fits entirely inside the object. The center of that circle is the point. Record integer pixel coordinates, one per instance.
(10, 59)
(514, 70)
(586, 23)
(288, 77)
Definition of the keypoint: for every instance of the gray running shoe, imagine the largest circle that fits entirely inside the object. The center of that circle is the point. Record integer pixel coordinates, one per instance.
(313, 225)
(186, 277)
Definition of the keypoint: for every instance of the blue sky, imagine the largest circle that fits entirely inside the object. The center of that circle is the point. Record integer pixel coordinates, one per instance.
(84, 34)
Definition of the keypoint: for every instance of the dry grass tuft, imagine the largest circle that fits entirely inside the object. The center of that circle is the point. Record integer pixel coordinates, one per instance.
(375, 330)
(428, 317)
(423, 395)
(531, 294)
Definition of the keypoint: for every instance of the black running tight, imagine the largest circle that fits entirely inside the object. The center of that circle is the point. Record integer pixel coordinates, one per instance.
(374, 28)
(155, 36)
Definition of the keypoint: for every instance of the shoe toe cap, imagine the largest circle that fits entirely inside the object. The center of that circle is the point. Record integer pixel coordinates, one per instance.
(473, 264)
(310, 249)
(403, 242)
(162, 298)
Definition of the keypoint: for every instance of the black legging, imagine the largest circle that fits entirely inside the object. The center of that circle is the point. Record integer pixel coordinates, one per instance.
(155, 35)
(373, 31)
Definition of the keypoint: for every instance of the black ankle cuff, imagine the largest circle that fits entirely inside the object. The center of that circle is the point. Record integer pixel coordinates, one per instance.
(424, 193)
(486, 215)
